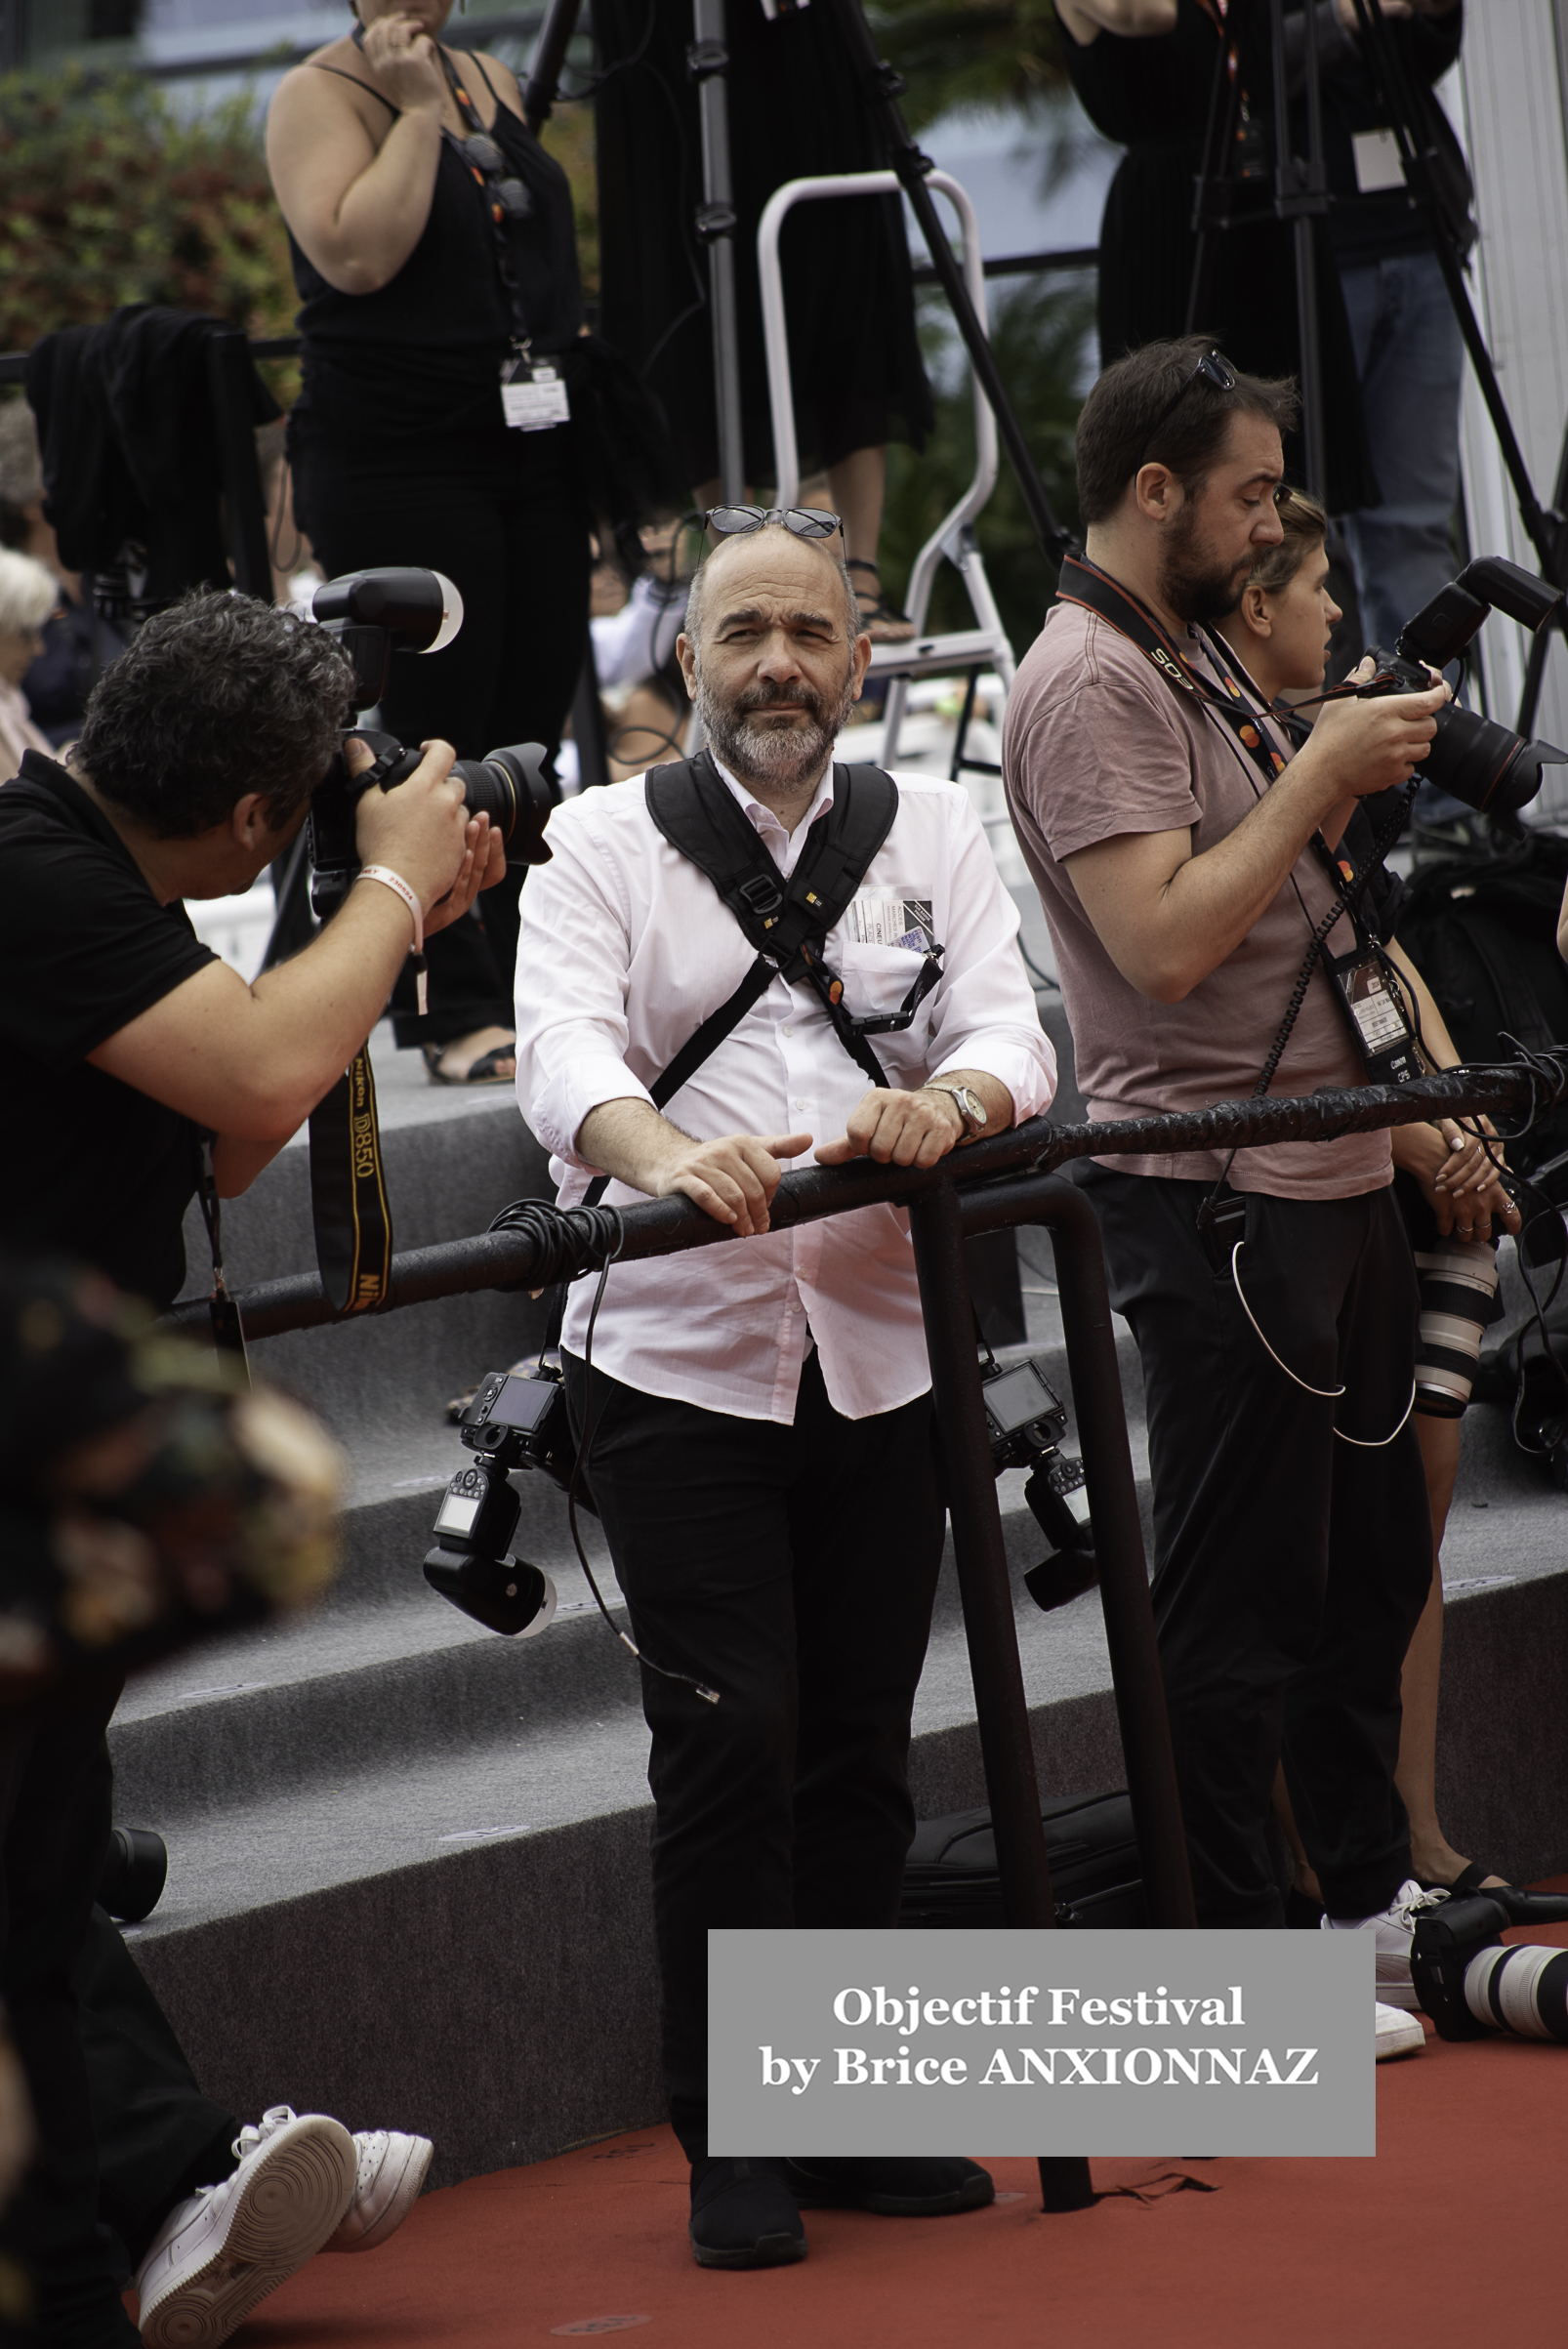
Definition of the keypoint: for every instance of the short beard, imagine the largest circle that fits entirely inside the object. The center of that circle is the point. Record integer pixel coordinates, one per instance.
(786, 756)
(1200, 592)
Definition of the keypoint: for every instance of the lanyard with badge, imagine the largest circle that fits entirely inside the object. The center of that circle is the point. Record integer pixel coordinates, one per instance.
(533, 396)
(1366, 985)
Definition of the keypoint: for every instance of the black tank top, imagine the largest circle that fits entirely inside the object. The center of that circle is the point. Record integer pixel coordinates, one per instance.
(423, 353)
(1147, 93)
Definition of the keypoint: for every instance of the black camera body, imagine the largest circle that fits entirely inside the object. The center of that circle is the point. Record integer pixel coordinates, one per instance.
(1471, 1982)
(1487, 766)
(516, 1420)
(374, 614)
(1027, 1423)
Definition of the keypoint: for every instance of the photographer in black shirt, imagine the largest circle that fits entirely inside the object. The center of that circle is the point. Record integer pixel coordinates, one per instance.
(121, 1036)
(121, 1040)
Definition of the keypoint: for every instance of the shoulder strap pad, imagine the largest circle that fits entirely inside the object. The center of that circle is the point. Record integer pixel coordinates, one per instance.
(698, 817)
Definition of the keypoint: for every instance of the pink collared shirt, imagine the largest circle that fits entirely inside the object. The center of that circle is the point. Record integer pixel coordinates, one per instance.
(626, 948)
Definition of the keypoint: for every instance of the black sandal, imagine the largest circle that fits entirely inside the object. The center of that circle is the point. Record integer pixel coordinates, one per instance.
(486, 1070)
(881, 624)
(1470, 1878)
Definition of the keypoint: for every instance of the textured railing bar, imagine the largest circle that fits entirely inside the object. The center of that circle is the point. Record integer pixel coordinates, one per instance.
(493, 1260)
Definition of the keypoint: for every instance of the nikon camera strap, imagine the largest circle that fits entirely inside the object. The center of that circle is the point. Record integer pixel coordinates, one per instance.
(349, 1205)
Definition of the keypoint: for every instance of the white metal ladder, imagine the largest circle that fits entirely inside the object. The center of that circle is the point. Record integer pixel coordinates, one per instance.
(975, 649)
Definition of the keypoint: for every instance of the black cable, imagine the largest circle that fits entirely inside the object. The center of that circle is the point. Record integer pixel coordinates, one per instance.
(710, 1696)
(1042, 978)
(563, 1238)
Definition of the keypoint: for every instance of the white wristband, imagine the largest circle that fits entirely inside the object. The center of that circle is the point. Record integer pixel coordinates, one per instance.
(400, 888)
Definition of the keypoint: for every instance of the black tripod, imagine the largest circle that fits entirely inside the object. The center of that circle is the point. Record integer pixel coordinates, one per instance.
(709, 62)
(1300, 193)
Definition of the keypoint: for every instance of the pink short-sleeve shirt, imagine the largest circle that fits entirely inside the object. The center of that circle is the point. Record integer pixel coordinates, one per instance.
(1096, 744)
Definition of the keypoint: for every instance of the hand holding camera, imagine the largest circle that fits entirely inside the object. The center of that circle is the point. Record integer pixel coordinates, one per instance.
(424, 832)
(1377, 745)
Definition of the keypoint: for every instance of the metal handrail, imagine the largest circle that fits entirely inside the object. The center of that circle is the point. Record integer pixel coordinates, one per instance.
(665, 1226)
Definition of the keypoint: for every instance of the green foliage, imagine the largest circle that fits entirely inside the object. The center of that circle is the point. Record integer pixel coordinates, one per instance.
(968, 53)
(108, 195)
(1039, 334)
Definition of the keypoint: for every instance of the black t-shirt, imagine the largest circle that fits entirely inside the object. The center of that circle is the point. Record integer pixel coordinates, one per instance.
(94, 1168)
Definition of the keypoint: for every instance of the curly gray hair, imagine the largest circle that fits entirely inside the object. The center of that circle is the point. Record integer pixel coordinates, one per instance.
(218, 696)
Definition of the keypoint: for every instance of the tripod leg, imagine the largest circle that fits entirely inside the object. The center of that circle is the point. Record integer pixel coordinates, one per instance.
(882, 86)
(1064, 2182)
(539, 91)
(715, 225)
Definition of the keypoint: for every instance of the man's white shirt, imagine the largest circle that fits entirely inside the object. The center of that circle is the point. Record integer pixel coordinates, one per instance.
(626, 948)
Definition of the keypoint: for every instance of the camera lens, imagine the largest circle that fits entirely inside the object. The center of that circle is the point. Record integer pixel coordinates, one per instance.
(512, 788)
(1481, 763)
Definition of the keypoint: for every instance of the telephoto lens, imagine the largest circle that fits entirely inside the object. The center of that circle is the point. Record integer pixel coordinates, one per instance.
(513, 789)
(1470, 1982)
(1524, 1989)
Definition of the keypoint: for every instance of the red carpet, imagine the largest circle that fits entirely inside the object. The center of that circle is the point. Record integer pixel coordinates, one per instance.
(1456, 2229)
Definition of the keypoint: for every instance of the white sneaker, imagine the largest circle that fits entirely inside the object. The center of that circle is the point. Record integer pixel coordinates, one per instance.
(1395, 1929)
(227, 2247)
(391, 2172)
(1398, 2033)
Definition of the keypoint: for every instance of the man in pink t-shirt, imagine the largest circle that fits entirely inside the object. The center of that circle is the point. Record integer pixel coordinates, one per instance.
(1173, 851)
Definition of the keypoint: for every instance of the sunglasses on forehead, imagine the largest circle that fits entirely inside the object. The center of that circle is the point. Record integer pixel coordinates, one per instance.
(1215, 368)
(802, 521)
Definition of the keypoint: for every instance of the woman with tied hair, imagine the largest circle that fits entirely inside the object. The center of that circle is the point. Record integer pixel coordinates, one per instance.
(28, 594)
(1446, 1185)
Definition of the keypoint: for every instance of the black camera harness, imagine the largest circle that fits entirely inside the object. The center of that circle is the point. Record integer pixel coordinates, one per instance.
(788, 922)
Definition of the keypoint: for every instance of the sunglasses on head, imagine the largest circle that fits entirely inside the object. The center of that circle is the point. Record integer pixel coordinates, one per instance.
(803, 522)
(1215, 368)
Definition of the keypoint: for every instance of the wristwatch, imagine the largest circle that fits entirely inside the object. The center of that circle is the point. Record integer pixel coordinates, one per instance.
(971, 1108)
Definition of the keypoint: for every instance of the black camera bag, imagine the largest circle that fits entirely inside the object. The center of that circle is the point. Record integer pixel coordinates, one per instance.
(951, 1877)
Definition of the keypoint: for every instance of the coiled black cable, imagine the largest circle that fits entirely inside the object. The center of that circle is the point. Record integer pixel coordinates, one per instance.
(567, 1240)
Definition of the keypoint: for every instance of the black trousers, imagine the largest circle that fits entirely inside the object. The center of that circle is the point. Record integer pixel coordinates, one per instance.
(159, 2136)
(54, 1792)
(502, 514)
(792, 1569)
(1291, 1566)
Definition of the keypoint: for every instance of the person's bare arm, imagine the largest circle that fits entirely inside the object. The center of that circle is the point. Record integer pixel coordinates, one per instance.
(732, 1179)
(357, 212)
(251, 1062)
(1168, 918)
(1132, 20)
(1457, 1174)
(918, 1128)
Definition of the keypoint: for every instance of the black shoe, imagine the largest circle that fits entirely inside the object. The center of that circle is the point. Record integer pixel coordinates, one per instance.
(744, 2215)
(894, 2186)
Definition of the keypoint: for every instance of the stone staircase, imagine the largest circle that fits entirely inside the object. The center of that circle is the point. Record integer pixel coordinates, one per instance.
(408, 1873)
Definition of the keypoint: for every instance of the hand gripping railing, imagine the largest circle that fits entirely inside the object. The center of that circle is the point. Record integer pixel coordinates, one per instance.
(991, 1185)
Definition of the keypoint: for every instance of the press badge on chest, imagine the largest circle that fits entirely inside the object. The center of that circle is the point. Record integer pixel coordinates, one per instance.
(1383, 1033)
(534, 399)
(873, 920)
